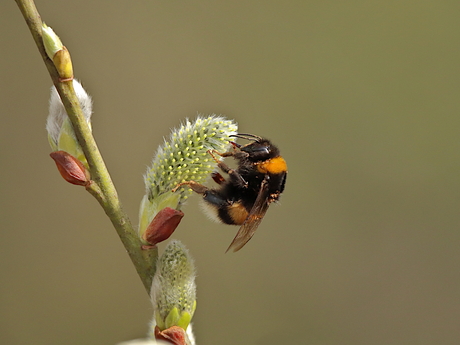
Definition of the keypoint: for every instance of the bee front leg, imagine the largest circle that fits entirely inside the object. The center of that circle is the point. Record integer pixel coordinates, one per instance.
(225, 168)
(224, 154)
(195, 186)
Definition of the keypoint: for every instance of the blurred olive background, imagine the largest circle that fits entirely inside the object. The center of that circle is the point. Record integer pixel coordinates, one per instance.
(361, 96)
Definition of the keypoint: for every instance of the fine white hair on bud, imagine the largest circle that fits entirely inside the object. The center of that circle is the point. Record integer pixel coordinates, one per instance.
(173, 288)
(184, 157)
(191, 335)
(57, 113)
(61, 135)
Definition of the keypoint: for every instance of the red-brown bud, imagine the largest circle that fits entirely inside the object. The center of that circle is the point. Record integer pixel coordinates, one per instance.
(162, 226)
(71, 169)
(175, 335)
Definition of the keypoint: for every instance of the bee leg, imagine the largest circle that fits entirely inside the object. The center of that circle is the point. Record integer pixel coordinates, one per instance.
(213, 198)
(195, 186)
(225, 168)
(209, 196)
(222, 154)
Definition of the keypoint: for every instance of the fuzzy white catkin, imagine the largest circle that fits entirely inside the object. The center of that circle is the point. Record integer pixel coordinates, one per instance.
(57, 113)
(174, 285)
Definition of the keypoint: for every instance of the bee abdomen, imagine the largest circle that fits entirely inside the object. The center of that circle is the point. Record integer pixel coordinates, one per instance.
(235, 214)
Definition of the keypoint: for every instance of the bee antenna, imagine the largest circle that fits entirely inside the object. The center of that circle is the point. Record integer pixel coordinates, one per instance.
(247, 136)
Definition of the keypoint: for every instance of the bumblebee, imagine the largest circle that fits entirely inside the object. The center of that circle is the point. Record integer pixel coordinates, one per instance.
(243, 198)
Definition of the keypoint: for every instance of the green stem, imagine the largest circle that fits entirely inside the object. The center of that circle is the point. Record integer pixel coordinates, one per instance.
(102, 188)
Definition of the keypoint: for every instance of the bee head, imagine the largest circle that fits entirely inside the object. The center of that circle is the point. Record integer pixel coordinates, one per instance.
(259, 149)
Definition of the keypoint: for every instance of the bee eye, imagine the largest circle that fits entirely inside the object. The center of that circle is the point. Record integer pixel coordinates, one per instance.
(257, 149)
(264, 149)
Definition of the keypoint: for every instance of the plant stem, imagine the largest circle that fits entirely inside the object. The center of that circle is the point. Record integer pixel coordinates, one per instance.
(102, 189)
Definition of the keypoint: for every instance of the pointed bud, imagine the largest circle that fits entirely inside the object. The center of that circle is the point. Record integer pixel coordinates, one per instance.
(173, 289)
(57, 53)
(51, 41)
(71, 169)
(162, 226)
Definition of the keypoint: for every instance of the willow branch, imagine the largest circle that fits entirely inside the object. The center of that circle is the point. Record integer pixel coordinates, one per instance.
(103, 190)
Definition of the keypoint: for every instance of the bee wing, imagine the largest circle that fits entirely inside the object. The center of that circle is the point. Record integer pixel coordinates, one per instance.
(253, 220)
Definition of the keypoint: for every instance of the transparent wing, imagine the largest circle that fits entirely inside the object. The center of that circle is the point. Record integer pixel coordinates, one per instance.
(253, 220)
